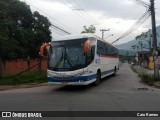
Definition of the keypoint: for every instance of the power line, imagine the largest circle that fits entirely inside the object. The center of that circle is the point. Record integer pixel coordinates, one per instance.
(138, 23)
(57, 31)
(48, 15)
(75, 11)
(66, 27)
(143, 3)
(132, 29)
(60, 29)
(81, 9)
(51, 18)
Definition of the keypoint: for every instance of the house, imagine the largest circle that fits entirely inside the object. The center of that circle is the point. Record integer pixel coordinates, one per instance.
(142, 58)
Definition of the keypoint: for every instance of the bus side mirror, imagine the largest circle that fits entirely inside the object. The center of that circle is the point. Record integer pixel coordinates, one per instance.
(42, 48)
(86, 46)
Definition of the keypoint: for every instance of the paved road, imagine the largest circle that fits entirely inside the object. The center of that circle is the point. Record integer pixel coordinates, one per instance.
(124, 92)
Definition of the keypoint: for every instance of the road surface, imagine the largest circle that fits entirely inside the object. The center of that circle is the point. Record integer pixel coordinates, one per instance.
(123, 92)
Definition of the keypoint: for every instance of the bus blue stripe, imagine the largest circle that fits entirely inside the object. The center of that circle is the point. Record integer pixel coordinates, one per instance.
(74, 79)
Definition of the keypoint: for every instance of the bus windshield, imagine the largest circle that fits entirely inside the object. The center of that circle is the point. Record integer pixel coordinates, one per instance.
(67, 55)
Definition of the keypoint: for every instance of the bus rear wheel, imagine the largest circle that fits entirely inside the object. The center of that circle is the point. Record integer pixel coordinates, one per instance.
(98, 78)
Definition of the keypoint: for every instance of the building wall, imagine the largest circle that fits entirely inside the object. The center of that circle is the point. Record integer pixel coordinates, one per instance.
(151, 62)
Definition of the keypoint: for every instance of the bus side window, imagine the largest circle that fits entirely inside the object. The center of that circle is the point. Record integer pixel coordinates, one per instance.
(100, 48)
(112, 52)
(109, 50)
(92, 51)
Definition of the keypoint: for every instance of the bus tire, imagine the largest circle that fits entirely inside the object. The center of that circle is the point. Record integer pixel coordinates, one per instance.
(98, 78)
(115, 71)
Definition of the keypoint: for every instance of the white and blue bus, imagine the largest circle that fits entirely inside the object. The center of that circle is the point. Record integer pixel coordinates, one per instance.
(81, 60)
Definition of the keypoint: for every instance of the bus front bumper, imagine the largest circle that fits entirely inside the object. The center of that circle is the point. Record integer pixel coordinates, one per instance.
(82, 80)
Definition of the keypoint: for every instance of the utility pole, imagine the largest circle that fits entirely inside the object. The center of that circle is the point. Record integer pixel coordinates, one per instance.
(150, 43)
(103, 32)
(155, 50)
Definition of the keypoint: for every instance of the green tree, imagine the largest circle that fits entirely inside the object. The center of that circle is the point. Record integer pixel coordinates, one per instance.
(21, 31)
(146, 37)
(90, 29)
(143, 36)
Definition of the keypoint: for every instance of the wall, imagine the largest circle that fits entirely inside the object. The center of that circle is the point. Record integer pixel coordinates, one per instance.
(16, 66)
(151, 63)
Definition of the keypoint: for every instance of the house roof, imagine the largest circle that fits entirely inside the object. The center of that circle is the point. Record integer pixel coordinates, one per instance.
(143, 52)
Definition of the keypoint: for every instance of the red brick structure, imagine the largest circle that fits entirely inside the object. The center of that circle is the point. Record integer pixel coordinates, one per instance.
(16, 66)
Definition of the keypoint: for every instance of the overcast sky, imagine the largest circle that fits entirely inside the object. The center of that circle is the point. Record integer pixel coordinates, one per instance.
(117, 15)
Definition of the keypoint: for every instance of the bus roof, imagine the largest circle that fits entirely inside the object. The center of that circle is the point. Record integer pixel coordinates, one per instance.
(78, 36)
(74, 36)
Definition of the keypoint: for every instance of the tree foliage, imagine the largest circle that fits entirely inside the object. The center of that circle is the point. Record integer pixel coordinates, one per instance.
(90, 29)
(145, 35)
(21, 31)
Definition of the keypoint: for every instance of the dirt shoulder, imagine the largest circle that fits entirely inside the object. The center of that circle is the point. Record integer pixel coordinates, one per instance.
(9, 87)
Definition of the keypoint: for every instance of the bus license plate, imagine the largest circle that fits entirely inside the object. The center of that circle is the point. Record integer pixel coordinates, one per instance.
(64, 82)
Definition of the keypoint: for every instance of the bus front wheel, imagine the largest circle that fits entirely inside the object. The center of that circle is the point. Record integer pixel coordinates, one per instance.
(98, 77)
(115, 71)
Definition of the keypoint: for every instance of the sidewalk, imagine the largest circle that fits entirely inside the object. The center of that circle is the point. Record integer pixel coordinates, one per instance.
(142, 70)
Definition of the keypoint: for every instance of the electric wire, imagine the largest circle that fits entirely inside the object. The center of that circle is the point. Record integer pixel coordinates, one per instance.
(77, 13)
(51, 18)
(57, 31)
(62, 25)
(48, 15)
(131, 30)
(86, 14)
(60, 29)
(143, 3)
(138, 23)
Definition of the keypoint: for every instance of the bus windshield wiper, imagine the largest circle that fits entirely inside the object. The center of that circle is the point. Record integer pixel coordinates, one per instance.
(68, 59)
(57, 64)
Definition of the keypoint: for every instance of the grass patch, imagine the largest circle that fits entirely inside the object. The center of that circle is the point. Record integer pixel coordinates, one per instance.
(28, 77)
(134, 70)
(149, 79)
(146, 78)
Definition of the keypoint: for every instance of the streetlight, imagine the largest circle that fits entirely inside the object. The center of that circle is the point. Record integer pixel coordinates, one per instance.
(103, 32)
(108, 36)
